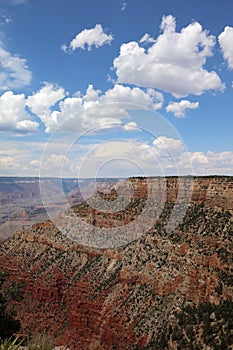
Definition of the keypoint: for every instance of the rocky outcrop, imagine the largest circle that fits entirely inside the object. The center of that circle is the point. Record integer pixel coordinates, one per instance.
(123, 298)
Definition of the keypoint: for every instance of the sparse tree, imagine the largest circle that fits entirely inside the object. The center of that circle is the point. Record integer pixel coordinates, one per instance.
(12, 292)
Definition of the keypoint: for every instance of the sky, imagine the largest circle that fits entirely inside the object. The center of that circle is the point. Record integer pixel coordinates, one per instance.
(116, 88)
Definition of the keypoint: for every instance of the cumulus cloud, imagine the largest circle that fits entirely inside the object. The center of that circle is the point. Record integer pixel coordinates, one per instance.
(13, 116)
(123, 94)
(14, 71)
(179, 108)
(131, 126)
(53, 107)
(88, 38)
(118, 158)
(165, 156)
(27, 125)
(164, 144)
(132, 157)
(174, 63)
(121, 157)
(41, 102)
(168, 24)
(225, 41)
(209, 163)
(94, 109)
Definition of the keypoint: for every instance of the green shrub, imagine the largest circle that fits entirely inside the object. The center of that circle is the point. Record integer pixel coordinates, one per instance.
(8, 293)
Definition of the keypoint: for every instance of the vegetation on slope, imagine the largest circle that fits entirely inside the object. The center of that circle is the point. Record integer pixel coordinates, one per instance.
(197, 327)
(8, 293)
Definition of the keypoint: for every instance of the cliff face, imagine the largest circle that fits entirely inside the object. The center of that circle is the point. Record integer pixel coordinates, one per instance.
(124, 298)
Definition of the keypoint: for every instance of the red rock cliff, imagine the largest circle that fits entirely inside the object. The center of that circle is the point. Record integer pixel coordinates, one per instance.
(117, 298)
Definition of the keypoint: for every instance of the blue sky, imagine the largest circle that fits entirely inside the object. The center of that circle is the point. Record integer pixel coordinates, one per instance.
(116, 87)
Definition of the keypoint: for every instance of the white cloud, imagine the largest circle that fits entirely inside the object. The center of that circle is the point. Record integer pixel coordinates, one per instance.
(15, 157)
(6, 163)
(64, 47)
(27, 125)
(166, 156)
(158, 96)
(56, 160)
(147, 39)
(118, 158)
(41, 102)
(96, 110)
(179, 108)
(131, 126)
(13, 116)
(163, 144)
(89, 38)
(151, 98)
(21, 156)
(225, 40)
(168, 24)
(5, 19)
(35, 162)
(122, 158)
(91, 110)
(14, 71)
(174, 63)
(130, 157)
(123, 5)
(91, 94)
(209, 163)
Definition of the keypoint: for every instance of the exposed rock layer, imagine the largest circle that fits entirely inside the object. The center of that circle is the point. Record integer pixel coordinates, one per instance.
(125, 297)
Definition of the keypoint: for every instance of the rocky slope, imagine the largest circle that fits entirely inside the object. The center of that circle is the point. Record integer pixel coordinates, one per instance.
(150, 293)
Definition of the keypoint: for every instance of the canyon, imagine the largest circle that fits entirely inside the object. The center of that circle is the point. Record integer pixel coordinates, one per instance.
(104, 276)
(22, 205)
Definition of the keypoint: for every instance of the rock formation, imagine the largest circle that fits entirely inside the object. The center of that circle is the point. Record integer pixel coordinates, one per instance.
(129, 296)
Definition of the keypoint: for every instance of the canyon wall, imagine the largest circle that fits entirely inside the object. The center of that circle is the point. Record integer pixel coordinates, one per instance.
(123, 298)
